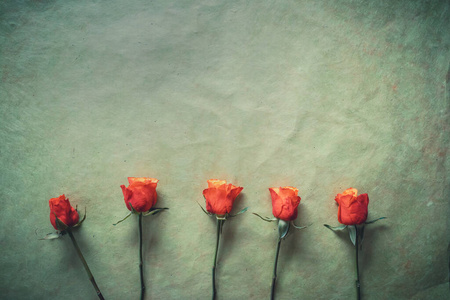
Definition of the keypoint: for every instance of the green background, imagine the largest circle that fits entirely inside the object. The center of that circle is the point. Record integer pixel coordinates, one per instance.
(320, 95)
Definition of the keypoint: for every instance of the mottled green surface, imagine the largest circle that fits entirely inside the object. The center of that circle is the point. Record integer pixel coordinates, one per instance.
(321, 95)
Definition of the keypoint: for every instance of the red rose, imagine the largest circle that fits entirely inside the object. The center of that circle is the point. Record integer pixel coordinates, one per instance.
(60, 208)
(285, 201)
(220, 196)
(352, 208)
(141, 193)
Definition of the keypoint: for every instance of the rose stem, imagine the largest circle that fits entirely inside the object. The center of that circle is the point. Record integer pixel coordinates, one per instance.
(274, 278)
(91, 277)
(358, 285)
(141, 265)
(219, 230)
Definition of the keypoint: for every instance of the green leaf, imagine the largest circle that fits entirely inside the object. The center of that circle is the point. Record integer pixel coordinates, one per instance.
(241, 212)
(342, 227)
(267, 219)
(126, 217)
(373, 221)
(283, 228)
(154, 211)
(352, 233)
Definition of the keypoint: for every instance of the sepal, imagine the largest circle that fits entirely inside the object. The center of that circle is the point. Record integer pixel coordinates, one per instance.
(267, 219)
(60, 224)
(126, 217)
(82, 220)
(154, 211)
(207, 213)
(283, 228)
(132, 209)
(241, 212)
(373, 221)
(299, 227)
(352, 233)
(356, 232)
(52, 236)
(335, 228)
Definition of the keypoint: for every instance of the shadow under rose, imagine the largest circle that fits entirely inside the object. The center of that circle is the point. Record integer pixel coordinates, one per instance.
(228, 238)
(365, 253)
(372, 235)
(292, 249)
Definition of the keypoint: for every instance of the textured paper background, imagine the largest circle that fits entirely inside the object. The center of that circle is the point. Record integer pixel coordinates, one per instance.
(321, 95)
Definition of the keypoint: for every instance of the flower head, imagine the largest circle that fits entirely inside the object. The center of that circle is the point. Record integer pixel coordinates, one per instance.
(141, 193)
(60, 208)
(352, 207)
(285, 201)
(220, 196)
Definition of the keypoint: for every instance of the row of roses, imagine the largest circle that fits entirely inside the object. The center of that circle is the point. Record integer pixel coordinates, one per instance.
(141, 196)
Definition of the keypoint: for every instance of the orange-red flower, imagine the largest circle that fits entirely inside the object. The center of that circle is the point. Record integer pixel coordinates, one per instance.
(285, 201)
(352, 207)
(220, 196)
(141, 193)
(60, 208)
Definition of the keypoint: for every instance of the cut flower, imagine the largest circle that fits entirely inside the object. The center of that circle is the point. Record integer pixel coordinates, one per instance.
(61, 209)
(220, 196)
(285, 201)
(141, 194)
(352, 207)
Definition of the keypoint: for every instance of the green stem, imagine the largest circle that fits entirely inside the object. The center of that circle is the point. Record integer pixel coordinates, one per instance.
(358, 285)
(274, 278)
(91, 277)
(141, 265)
(219, 230)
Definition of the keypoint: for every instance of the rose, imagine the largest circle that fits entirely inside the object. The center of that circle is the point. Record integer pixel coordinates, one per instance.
(140, 194)
(220, 196)
(63, 217)
(285, 201)
(60, 208)
(351, 213)
(352, 207)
